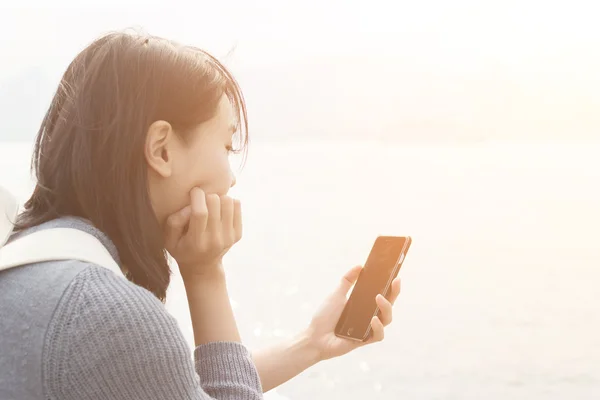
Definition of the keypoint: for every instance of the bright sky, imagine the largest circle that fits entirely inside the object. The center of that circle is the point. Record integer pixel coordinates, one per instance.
(545, 53)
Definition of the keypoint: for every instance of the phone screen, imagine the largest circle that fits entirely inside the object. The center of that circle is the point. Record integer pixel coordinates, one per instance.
(377, 272)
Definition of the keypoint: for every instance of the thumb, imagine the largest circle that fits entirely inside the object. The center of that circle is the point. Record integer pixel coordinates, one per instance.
(349, 280)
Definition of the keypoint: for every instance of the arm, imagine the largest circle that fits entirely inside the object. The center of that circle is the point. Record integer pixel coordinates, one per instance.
(212, 221)
(280, 363)
(112, 339)
(210, 307)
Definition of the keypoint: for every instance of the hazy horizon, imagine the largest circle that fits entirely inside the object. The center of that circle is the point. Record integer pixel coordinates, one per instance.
(427, 72)
(472, 126)
(499, 290)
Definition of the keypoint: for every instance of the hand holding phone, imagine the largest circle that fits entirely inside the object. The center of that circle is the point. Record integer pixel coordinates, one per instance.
(382, 266)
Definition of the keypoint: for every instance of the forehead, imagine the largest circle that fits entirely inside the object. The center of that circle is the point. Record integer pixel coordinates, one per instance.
(226, 116)
(225, 109)
(223, 124)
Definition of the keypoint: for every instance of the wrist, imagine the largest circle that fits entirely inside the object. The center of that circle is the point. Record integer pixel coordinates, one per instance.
(306, 342)
(202, 273)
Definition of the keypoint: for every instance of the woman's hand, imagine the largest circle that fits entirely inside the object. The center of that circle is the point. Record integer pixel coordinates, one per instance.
(321, 330)
(200, 234)
(282, 362)
(197, 237)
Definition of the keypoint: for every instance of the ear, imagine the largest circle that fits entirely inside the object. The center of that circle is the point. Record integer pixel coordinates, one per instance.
(159, 148)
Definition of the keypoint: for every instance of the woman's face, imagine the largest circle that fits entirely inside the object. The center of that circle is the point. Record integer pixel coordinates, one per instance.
(200, 158)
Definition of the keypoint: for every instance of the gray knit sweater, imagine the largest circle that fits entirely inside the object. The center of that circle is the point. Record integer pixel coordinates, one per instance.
(71, 330)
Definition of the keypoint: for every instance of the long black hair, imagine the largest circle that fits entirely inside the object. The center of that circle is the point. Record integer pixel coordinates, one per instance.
(88, 157)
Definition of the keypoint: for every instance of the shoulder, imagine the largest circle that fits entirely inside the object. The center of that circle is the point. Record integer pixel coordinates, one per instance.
(96, 293)
(36, 290)
(103, 324)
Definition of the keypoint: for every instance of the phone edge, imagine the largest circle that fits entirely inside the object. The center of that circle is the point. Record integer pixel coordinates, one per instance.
(405, 249)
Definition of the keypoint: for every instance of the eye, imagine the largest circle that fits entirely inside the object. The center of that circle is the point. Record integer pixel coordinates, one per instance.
(231, 150)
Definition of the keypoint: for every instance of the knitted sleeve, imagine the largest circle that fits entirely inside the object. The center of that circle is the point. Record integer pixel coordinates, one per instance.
(110, 339)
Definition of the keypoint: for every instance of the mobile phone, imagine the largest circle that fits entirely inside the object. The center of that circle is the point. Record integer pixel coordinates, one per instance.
(382, 266)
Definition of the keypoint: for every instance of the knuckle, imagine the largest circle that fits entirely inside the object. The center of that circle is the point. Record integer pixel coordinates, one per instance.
(172, 220)
(231, 239)
(217, 242)
(204, 249)
(203, 246)
(199, 212)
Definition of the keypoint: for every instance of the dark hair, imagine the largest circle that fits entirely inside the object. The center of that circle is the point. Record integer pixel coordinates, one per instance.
(88, 157)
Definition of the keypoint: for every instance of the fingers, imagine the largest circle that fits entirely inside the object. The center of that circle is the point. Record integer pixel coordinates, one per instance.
(227, 220)
(199, 212)
(385, 309)
(175, 226)
(237, 220)
(213, 204)
(395, 291)
(222, 216)
(349, 280)
(213, 225)
(226, 212)
(385, 305)
(377, 329)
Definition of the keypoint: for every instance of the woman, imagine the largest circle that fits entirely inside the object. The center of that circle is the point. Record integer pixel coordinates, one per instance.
(134, 149)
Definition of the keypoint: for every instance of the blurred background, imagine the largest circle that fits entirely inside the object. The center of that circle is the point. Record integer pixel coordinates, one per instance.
(472, 126)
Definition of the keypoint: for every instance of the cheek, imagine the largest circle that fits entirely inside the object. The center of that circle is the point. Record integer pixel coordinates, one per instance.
(217, 175)
(210, 172)
(187, 173)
